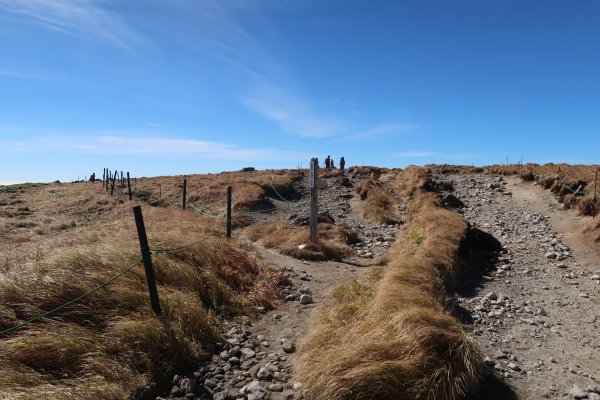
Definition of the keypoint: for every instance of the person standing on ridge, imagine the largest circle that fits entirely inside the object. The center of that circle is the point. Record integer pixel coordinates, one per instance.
(328, 162)
(342, 163)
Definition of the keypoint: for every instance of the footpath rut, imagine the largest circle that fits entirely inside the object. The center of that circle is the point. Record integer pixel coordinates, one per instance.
(529, 294)
(255, 362)
(532, 303)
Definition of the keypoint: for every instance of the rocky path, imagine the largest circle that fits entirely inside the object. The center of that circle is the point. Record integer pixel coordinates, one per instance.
(534, 303)
(255, 362)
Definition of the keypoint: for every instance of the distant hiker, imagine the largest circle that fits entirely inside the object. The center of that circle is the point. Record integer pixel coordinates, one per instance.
(328, 162)
(93, 177)
(342, 163)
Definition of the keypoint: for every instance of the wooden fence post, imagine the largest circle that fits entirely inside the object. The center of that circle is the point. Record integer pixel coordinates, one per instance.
(595, 194)
(147, 259)
(314, 200)
(112, 188)
(184, 192)
(229, 190)
(122, 180)
(129, 185)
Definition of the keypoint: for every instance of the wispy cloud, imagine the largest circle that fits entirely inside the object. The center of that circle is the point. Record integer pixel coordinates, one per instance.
(13, 73)
(78, 18)
(293, 114)
(128, 145)
(267, 86)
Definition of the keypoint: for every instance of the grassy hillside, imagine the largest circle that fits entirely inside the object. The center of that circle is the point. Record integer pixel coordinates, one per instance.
(61, 240)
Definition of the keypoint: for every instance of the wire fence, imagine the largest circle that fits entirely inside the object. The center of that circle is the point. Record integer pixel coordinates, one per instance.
(156, 251)
(579, 191)
(103, 285)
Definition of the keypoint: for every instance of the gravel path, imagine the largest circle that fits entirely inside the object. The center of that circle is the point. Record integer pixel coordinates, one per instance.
(529, 295)
(255, 362)
(533, 303)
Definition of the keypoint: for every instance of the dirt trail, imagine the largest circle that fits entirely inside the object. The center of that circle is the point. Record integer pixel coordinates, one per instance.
(533, 304)
(256, 360)
(566, 222)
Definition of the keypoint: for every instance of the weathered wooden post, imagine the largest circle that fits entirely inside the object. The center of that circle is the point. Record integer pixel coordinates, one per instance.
(112, 188)
(129, 185)
(314, 200)
(595, 194)
(229, 190)
(122, 180)
(184, 192)
(147, 259)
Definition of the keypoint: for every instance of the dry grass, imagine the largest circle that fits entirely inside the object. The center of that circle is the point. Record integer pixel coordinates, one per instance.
(252, 190)
(294, 240)
(392, 338)
(59, 240)
(379, 204)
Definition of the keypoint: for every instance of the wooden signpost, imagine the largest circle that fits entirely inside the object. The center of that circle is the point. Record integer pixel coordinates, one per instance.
(314, 200)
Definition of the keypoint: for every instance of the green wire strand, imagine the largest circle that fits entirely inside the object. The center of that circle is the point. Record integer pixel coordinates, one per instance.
(169, 249)
(68, 303)
(199, 211)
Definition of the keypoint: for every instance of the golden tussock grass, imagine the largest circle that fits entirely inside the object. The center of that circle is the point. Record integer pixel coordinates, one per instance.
(110, 345)
(392, 337)
(379, 204)
(330, 172)
(294, 240)
(252, 190)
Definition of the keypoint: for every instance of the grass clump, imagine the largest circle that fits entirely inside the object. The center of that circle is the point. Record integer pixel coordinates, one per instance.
(379, 204)
(394, 338)
(294, 241)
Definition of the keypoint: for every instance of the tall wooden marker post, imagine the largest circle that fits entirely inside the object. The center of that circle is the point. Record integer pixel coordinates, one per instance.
(313, 179)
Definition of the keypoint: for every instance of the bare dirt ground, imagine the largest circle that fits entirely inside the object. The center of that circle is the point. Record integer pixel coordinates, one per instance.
(533, 293)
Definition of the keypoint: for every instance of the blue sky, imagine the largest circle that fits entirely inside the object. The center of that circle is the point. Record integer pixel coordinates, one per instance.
(160, 87)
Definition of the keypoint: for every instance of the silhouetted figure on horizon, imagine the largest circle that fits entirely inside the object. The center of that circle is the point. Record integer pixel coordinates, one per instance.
(328, 162)
(93, 177)
(342, 163)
